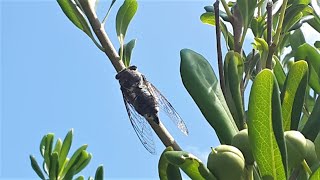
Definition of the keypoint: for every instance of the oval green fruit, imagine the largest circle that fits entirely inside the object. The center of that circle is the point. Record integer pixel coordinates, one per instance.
(296, 144)
(241, 141)
(226, 163)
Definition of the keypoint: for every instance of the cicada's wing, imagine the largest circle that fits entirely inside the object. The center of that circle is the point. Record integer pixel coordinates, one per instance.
(167, 108)
(141, 127)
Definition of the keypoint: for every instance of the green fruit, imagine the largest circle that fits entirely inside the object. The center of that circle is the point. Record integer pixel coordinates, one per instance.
(226, 163)
(311, 156)
(317, 145)
(296, 144)
(241, 141)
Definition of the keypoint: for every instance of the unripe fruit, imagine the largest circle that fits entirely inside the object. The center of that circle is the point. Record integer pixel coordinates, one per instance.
(226, 163)
(241, 141)
(296, 144)
(311, 156)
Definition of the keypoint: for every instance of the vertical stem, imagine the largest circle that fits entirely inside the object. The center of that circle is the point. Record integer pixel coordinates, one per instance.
(219, 52)
(269, 34)
(112, 54)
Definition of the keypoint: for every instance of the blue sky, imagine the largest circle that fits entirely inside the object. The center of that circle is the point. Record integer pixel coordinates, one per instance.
(53, 78)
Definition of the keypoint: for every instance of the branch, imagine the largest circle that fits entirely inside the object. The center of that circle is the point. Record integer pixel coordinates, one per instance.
(114, 57)
(219, 52)
(269, 35)
(102, 36)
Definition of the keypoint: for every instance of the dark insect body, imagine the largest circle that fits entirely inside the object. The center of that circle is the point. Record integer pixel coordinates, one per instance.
(143, 100)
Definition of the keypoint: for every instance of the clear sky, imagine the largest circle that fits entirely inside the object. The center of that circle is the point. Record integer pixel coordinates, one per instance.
(53, 78)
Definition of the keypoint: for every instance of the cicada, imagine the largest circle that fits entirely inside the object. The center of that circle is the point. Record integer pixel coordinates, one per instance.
(144, 101)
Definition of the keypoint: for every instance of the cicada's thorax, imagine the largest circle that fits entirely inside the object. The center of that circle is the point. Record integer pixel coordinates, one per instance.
(135, 89)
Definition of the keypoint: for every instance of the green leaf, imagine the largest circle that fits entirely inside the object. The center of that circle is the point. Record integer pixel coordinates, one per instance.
(262, 46)
(80, 178)
(293, 15)
(84, 160)
(65, 149)
(48, 149)
(279, 72)
(317, 44)
(265, 126)
(312, 127)
(202, 84)
(99, 173)
(127, 51)
(43, 145)
(73, 160)
(58, 146)
(166, 170)
(312, 56)
(227, 36)
(71, 10)
(246, 8)
(36, 167)
(223, 15)
(107, 14)
(54, 166)
(258, 26)
(316, 6)
(124, 16)
(296, 39)
(315, 175)
(233, 72)
(292, 97)
(190, 164)
(315, 23)
(208, 18)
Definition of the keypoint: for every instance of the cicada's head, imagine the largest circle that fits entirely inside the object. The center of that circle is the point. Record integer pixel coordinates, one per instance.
(129, 77)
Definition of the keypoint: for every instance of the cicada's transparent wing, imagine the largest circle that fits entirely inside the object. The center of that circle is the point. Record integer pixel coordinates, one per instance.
(141, 127)
(165, 105)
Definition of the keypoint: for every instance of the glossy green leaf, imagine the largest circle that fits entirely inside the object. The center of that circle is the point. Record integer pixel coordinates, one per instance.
(292, 96)
(127, 51)
(279, 72)
(265, 126)
(107, 14)
(317, 44)
(71, 10)
(166, 170)
(43, 145)
(258, 26)
(84, 160)
(190, 164)
(233, 72)
(261, 46)
(293, 15)
(296, 39)
(315, 175)
(247, 8)
(65, 149)
(202, 84)
(312, 56)
(54, 166)
(227, 36)
(222, 14)
(315, 23)
(36, 167)
(73, 160)
(99, 173)
(312, 127)
(80, 178)
(48, 148)
(58, 146)
(124, 16)
(316, 6)
(70, 174)
(208, 18)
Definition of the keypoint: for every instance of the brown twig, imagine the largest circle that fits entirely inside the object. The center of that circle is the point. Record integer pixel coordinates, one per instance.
(114, 57)
(219, 51)
(269, 35)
